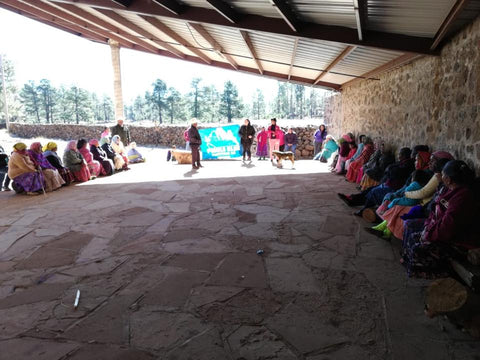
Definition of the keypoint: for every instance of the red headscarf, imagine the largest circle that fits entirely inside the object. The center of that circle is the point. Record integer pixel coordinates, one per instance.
(36, 146)
(423, 159)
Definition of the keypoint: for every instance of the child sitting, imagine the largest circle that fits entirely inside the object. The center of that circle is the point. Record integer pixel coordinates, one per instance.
(419, 180)
(134, 155)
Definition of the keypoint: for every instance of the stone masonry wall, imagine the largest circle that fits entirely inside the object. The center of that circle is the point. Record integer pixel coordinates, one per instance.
(433, 100)
(156, 136)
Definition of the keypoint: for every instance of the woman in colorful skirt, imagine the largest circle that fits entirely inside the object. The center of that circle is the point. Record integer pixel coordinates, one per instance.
(117, 146)
(76, 163)
(25, 178)
(93, 165)
(134, 155)
(262, 144)
(101, 156)
(50, 153)
(355, 167)
(53, 180)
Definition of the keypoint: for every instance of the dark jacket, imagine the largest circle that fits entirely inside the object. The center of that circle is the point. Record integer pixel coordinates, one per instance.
(123, 132)
(291, 138)
(109, 151)
(101, 156)
(194, 136)
(246, 131)
(344, 149)
(397, 174)
(378, 169)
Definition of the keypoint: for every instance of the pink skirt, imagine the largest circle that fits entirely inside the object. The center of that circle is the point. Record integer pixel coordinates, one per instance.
(392, 216)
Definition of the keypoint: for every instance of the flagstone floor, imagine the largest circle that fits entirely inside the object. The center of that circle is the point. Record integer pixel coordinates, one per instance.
(167, 266)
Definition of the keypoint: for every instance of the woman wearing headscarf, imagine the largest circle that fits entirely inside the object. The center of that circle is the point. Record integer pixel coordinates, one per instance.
(451, 222)
(118, 161)
(358, 152)
(375, 168)
(246, 132)
(329, 148)
(101, 156)
(76, 163)
(25, 178)
(117, 146)
(134, 156)
(354, 168)
(93, 165)
(50, 153)
(343, 152)
(53, 180)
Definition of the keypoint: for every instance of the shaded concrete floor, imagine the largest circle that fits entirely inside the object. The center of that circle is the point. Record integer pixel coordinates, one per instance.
(168, 269)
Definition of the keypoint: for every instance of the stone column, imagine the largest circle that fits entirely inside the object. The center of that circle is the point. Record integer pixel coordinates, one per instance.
(117, 80)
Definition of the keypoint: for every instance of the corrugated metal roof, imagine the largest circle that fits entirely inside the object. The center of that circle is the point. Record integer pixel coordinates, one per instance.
(273, 47)
(327, 12)
(363, 60)
(408, 17)
(230, 39)
(316, 54)
(469, 13)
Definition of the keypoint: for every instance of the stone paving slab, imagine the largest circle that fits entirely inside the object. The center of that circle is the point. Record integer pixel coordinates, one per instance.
(168, 269)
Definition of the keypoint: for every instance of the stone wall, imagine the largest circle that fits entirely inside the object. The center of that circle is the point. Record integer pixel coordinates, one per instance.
(157, 136)
(433, 100)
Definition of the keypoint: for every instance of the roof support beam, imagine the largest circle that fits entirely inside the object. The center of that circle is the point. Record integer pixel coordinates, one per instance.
(224, 9)
(341, 34)
(294, 54)
(56, 23)
(172, 34)
(124, 3)
(287, 14)
(447, 23)
(171, 5)
(400, 61)
(86, 16)
(251, 49)
(361, 9)
(135, 28)
(347, 51)
(213, 43)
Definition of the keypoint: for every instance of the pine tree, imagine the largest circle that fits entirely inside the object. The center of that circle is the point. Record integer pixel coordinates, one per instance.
(30, 100)
(80, 103)
(230, 104)
(157, 98)
(47, 98)
(14, 104)
(258, 105)
(210, 103)
(174, 99)
(196, 97)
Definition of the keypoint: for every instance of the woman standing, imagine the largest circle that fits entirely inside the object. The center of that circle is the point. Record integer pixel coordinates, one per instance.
(273, 140)
(25, 178)
(101, 156)
(53, 180)
(319, 137)
(75, 162)
(50, 153)
(93, 165)
(262, 147)
(247, 132)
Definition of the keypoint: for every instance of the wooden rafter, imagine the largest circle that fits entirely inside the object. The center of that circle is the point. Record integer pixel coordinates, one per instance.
(251, 49)
(172, 34)
(124, 3)
(213, 43)
(250, 22)
(347, 51)
(287, 14)
(294, 54)
(224, 9)
(447, 23)
(171, 5)
(135, 28)
(400, 61)
(85, 15)
(361, 13)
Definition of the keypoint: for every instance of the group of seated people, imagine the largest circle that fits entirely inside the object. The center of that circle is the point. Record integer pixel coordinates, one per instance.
(428, 200)
(40, 169)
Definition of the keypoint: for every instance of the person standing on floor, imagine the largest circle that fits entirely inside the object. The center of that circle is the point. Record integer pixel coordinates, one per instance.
(122, 131)
(4, 179)
(262, 144)
(319, 137)
(281, 138)
(291, 141)
(195, 142)
(273, 140)
(187, 140)
(246, 132)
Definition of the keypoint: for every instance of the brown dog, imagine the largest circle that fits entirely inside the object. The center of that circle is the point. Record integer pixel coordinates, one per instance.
(280, 155)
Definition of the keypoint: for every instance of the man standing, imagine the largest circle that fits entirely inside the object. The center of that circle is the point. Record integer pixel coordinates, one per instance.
(291, 141)
(121, 131)
(195, 142)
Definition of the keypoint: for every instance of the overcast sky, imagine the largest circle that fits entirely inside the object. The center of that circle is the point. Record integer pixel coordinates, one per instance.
(40, 51)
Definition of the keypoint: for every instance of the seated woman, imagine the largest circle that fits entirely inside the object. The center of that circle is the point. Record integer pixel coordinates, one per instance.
(105, 132)
(119, 149)
(22, 172)
(355, 166)
(93, 165)
(134, 155)
(451, 222)
(101, 156)
(50, 153)
(375, 168)
(75, 162)
(53, 180)
(420, 178)
(343, 152)
(118, 161)
(329, 147)
(361, 144)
